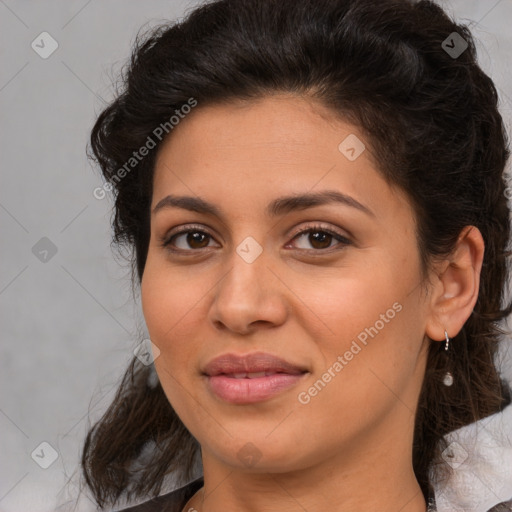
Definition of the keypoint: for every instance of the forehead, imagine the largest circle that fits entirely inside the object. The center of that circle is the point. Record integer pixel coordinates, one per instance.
(282, 142)
(279, 127)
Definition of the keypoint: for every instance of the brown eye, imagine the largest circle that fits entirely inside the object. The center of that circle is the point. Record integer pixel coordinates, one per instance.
(187, 240)
(196, 239)
(319, 238)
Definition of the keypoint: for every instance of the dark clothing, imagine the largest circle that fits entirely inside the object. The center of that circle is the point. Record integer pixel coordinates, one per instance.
(171, 502)
(175, 501)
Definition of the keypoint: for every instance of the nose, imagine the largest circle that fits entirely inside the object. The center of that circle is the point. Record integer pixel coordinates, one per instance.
(250, 295)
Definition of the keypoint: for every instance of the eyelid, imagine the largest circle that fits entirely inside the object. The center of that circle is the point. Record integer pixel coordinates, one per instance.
(319, 226)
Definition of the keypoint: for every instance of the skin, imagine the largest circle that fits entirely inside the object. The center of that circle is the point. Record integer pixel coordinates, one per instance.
(350, 447)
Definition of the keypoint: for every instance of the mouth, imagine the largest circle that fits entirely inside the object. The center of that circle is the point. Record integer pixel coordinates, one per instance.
(253, 375)
(251, 378)
(253, 365)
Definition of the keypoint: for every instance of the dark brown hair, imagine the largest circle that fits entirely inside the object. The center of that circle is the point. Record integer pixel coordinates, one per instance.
(432, 122)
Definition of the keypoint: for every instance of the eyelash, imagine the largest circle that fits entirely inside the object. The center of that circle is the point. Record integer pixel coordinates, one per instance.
(315, 228)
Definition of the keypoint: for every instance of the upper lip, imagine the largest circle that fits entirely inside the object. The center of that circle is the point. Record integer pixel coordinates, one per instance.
(250, 363)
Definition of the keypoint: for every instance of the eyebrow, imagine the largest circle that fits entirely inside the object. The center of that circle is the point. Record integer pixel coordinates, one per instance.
(279, 206)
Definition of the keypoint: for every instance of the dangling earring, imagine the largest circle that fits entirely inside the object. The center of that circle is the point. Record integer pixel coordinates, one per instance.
(448, 377)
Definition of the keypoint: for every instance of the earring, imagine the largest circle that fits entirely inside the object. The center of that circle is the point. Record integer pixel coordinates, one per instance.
(448, 377)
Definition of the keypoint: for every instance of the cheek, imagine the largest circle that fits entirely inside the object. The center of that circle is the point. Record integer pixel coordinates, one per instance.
(170, 304)
(373, 322)
(361, 382)
(170, 309)
(347, 303)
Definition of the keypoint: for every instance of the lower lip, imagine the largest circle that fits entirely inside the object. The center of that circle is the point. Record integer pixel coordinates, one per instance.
(246, 391)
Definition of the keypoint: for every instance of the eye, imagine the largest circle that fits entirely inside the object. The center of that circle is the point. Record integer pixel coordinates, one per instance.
(191, 236)
(320, 238)
(194, 238)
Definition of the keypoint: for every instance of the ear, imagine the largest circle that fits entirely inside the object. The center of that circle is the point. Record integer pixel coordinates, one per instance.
(455, 286)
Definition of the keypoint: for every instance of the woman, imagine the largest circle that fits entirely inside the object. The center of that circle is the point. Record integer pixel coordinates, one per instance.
(314, 194)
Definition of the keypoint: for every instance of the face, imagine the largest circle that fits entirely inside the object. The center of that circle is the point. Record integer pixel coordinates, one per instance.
(331, 286)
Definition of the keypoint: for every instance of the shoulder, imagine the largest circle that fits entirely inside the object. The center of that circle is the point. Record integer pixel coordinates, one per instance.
(505, 506)
(171, 502)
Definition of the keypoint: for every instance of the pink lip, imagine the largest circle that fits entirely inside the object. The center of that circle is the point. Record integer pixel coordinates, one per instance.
(279, 375)
(250, 363)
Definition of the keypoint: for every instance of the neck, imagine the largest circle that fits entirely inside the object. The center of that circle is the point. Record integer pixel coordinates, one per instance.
(256, 493)
(364, 476)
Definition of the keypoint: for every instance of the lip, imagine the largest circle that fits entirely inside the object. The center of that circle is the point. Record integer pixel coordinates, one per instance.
(275, 376)
(250, 363)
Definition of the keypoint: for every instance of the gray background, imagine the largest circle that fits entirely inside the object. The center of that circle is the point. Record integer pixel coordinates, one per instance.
(69, 324)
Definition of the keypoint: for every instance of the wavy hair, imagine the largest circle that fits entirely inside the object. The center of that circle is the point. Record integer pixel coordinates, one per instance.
(432, 122)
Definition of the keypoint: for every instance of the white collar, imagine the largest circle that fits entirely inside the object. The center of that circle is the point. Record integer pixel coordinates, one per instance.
(479, 473)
